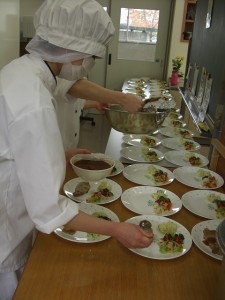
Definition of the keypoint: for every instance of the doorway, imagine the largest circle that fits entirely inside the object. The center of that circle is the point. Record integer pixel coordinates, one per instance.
(141, 42)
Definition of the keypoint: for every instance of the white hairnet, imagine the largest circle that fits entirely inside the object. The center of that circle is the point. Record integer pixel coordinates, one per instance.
(81, 26)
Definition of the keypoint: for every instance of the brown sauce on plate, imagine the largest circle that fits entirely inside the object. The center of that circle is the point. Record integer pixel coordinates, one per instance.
(92, 164)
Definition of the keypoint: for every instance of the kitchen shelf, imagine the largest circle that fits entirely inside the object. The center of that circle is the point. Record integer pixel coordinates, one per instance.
(188, 20)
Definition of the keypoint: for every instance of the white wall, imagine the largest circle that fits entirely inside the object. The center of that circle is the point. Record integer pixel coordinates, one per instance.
(177, 47)
(9, 30)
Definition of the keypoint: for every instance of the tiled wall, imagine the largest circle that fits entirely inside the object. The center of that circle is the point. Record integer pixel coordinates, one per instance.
(9, 30)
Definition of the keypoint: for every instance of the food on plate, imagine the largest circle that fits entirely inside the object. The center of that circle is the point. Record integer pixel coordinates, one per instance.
(173, 115)
(176, 123)
(148, 141)
(103, 192)
(208, 180)
(209, 239)
(157, 174)
(167, 227)
(188, 145)
(171, 243)
(162, 202)
(81, 189)
(146, 225)
(194, 160)
(149, 155)
(218, 205)
(101, 215)
(183, 132)
(92, 164)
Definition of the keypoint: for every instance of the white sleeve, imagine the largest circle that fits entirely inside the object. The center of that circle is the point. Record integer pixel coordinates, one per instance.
(40, 162)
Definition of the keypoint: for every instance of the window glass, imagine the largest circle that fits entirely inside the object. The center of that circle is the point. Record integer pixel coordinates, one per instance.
(138, 34)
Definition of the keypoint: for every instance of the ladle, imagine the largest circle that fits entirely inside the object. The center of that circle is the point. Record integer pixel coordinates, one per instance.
(146, 225)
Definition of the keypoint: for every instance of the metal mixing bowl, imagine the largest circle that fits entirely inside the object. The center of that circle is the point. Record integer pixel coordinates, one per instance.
(142, 122)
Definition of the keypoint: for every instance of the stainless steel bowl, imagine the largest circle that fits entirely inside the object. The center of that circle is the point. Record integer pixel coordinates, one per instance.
(142, 122)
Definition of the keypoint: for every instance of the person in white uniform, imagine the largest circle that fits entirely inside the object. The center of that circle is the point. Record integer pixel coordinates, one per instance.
(32, 158)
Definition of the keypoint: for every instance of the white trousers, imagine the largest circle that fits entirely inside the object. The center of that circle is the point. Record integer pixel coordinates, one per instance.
(8, 283)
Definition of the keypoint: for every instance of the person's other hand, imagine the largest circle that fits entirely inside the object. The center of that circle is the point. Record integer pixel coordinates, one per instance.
(132, 236)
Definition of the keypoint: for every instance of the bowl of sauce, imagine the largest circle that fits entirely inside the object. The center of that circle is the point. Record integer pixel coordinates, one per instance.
(92, 167)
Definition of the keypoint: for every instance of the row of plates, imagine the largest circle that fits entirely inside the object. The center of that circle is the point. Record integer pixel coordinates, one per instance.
(140, 199)
(153, 250)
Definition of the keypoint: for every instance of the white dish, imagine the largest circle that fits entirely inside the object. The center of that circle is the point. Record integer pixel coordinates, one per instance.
(153, 250)
(197, 202)
(175, 132)
(119, 168)
(70, 186)
(173, 123)
(140, 200)
(189, 176)
(138, 173)
(135, 153)
(178, 144)
(84, 237)
(181, 158)
(136, 140)
(198, 236)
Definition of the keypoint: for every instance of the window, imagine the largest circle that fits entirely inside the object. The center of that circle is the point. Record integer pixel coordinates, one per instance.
(138, 25)
(138, 34)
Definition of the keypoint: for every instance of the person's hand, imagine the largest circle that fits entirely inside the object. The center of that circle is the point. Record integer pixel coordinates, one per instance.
(131, 103)
(100, 106)
(132, 236)
(72, 152)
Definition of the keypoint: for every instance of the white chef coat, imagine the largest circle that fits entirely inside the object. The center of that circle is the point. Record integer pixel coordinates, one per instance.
(69, 110)
(32, 160)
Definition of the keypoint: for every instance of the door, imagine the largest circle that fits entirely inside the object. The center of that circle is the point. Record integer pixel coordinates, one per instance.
(144, 51)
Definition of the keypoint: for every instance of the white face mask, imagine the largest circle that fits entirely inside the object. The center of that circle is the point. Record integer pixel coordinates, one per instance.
(76, 72)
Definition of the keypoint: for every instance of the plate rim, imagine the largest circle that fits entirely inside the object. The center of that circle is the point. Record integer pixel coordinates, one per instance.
(207, 191)
(194, 228)
(141, 147)
(187, 151)
(196, 186)
(147, 165)
(103, 237)
(165, 219)
(150, 187)
(83, 200)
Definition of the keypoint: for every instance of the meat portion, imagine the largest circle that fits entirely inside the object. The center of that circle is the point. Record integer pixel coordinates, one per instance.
(210, 240)
(81, 189)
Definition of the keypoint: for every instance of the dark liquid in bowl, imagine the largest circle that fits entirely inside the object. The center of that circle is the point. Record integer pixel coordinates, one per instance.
(92, 164)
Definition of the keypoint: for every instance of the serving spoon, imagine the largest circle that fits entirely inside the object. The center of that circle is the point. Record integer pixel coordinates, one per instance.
(146, 225)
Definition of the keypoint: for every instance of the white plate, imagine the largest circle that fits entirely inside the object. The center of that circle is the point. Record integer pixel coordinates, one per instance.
(135, 153)
(175, 132)
(119, 168)
(173, 123)
(70, 186)
(197, 202)
(135, 139)
(178, 144)
(189, 176)
(139, 200)
(138, 173)
(173, 116)
(84, 237)
(153, 250)
(198, 236)
(180, 158)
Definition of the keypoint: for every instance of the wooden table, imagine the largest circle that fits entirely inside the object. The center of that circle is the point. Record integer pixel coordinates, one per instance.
(59, 269)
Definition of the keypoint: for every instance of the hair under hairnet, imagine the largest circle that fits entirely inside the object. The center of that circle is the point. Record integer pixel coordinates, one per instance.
(67, 27)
